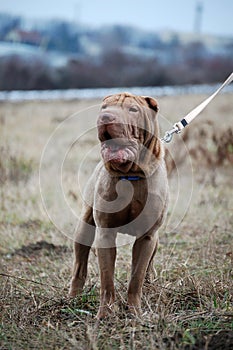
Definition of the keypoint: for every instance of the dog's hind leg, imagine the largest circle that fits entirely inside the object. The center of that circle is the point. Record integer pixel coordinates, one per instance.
(151, 272)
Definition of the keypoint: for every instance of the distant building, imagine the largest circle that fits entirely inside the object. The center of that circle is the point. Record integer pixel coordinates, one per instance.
(24, 37)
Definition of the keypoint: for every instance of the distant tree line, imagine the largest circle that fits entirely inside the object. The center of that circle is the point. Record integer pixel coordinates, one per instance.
(116, 69)
(107, 57)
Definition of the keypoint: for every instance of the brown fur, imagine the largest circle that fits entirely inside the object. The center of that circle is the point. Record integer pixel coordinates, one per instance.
(130, 145)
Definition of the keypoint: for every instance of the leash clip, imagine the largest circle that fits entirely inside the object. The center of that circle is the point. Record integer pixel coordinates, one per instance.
(169, 134)
(194, 113)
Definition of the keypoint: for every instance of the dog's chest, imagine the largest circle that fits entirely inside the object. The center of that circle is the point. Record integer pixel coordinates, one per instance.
(118, 202)
(121, 191)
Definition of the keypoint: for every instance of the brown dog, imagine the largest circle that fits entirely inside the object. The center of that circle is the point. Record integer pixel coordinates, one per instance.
(127, 193)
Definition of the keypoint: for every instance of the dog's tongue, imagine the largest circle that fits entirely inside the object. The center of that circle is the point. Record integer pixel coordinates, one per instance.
(117, 153)
(120, 157)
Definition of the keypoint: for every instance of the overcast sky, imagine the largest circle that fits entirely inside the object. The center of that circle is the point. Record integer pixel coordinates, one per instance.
(148, 14)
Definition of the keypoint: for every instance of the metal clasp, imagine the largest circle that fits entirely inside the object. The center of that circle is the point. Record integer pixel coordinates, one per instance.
(169, 134)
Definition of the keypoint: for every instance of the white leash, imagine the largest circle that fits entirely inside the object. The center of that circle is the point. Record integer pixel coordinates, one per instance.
(177, 127)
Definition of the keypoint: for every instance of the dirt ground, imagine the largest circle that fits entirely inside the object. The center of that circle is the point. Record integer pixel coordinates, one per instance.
(46, 146)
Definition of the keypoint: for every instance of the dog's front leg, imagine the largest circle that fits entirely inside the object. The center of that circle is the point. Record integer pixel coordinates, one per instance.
(80, 269)
(83, 241)
(106, 258)
(143, 250)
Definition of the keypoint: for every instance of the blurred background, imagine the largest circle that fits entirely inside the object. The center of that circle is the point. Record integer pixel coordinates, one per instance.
(63, 52)
(70, 44)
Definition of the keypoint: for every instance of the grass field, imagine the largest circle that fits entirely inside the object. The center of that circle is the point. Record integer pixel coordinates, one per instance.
(189, 305)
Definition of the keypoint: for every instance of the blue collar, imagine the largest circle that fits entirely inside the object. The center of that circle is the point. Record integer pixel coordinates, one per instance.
(130, 178)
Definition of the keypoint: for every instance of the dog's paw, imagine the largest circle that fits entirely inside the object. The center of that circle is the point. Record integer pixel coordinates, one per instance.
(72, 293)
(133, 310)
(105, 312)
(75, 289)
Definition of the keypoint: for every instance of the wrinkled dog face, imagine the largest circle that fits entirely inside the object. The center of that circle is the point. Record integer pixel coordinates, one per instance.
(123, 125)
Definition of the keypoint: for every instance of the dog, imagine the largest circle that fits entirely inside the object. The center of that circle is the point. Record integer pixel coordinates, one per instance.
(127, 193)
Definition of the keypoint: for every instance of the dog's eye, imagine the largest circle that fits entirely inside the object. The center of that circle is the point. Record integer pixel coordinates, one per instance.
(133, 109)
(104, 106)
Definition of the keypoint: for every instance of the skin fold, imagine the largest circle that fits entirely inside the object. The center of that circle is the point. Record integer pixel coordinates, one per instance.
(130, 146)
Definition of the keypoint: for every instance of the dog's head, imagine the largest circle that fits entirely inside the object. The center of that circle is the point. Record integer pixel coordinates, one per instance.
(127, 126)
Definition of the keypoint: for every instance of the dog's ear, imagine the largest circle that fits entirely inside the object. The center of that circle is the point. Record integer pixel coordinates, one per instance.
(152, 103)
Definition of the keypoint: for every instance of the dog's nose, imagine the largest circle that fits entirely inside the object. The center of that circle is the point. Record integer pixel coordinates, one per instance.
(107, 118)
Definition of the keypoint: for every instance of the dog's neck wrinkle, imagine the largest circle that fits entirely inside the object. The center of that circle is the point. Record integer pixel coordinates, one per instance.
(146, 163)
(134, 170)
(155, 147)
(149, 168)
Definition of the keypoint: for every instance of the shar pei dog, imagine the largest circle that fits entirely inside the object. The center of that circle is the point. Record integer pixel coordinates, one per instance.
(127, 193)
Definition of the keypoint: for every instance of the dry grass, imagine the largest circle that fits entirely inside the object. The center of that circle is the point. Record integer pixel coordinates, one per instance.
(188, 306)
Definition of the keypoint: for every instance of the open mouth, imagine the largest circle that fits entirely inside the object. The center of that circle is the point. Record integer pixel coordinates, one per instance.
(117, 151)
(106, 136)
